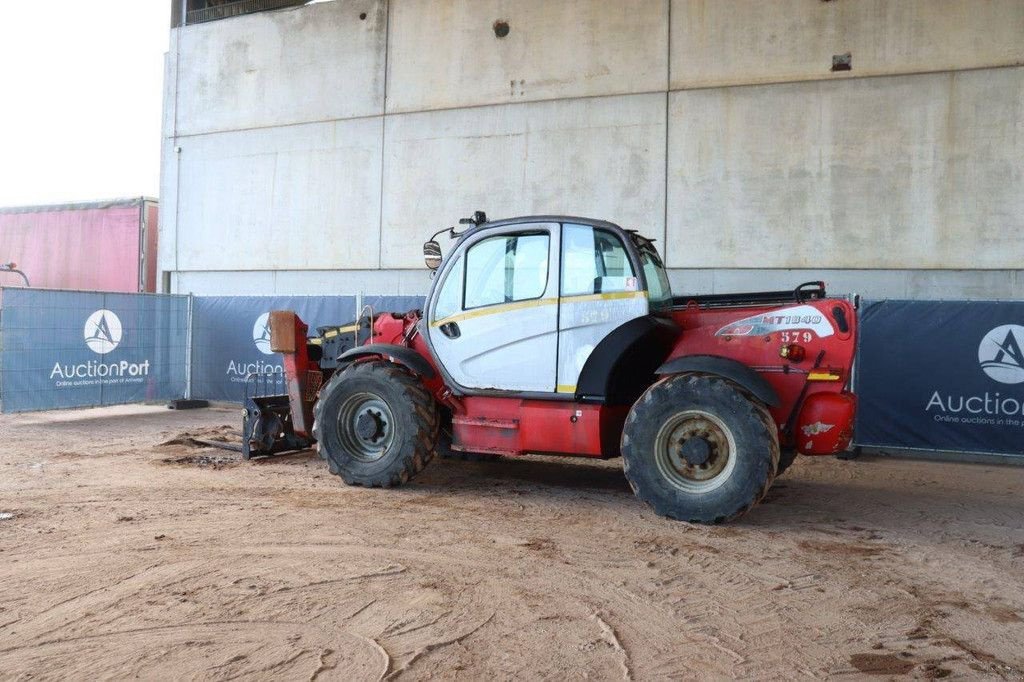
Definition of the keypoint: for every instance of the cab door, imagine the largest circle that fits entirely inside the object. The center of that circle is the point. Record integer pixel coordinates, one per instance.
(493, 323)
(600, 290)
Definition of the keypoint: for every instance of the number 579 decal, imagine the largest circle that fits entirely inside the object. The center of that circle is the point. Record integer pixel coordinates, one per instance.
(795, 337)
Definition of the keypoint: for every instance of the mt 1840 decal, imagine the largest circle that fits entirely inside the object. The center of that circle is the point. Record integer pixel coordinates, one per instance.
(796, 317)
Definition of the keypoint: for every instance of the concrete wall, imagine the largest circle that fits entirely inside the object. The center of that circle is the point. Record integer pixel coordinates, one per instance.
(898, 172)
(445, 55)
(318, 63)
(740, 42)
(542, 157)
(314, 149)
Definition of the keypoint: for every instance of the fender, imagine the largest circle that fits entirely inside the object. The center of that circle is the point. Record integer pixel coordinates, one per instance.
(734, 371)
(400, 355)
(622, 364)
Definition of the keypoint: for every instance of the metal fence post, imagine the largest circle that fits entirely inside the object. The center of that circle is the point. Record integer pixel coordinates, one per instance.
(189, 320)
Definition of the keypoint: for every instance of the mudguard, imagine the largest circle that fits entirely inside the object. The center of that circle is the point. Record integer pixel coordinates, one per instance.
(621, 366)
(400, 355)
(726, 368)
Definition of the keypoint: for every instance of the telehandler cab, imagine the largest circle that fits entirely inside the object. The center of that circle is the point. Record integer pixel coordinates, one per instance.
(560, 335)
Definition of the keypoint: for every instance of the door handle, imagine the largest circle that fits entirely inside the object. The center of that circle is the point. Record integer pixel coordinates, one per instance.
(451, 330)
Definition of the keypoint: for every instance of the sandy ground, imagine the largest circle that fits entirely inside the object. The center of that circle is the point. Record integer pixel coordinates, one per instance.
(125, 558)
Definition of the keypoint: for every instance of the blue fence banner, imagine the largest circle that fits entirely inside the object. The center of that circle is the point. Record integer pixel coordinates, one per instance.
(933, 375)
(62, 349)
(941, 375)
(231, 338)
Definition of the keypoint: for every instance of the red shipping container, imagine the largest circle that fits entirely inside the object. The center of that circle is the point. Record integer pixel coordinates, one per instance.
(93, 246)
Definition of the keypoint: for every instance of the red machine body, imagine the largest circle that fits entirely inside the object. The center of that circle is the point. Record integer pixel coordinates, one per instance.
(561, 335)
(807, 361)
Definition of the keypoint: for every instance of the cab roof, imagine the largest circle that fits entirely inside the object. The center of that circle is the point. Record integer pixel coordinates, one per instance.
(547, 218)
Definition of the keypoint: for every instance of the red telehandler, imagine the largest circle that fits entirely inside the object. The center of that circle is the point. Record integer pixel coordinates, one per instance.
(560, 335)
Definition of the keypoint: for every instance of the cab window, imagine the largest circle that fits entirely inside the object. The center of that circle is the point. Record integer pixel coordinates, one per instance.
(594, 261)
(659, 291)
(505, 269)
(449, 299)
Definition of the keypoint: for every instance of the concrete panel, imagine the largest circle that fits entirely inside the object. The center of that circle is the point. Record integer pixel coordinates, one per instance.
(167, 247)
(597, 157)
(223, 283)
(732, 42)
(905, 172)
(297, 197)
(914, 284)
(305, 283)
(304, 64)
(170, 89)
(351, 282)
(965, 284)
(446, 54)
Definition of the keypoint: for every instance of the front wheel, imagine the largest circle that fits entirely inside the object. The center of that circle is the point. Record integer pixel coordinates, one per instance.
(696, 448)
(375, 424)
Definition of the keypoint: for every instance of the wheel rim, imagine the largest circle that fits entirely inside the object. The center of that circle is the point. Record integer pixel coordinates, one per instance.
(366, 426)
(695, 451)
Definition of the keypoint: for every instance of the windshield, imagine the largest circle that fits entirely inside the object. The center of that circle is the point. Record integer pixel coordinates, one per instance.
(659, 291)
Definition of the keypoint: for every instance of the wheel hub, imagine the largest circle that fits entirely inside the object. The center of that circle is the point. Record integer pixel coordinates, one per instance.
(369, 426)
(694, 451)
(365, 426)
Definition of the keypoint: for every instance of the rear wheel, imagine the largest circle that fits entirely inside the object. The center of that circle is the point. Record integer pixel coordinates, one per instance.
(786, 456)
(696, 448)
(375, 424)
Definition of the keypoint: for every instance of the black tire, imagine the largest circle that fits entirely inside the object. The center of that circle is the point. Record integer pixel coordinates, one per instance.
(696, 448)
(786, 456)
(375, 424)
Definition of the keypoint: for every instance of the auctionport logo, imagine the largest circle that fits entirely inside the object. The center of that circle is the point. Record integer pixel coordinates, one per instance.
(261, 334)
(102, 331)
(1000, 354)
(239, 370)
(1000, 357)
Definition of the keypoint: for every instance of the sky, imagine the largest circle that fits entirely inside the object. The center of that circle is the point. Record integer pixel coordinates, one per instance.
(81, 90)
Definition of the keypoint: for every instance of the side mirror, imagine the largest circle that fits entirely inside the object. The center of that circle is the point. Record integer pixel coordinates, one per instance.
(432, 254)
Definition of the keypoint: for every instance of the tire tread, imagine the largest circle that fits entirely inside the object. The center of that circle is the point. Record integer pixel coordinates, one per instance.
(418, 451)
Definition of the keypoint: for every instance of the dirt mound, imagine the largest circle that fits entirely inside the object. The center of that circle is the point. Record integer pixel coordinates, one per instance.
(200, 438)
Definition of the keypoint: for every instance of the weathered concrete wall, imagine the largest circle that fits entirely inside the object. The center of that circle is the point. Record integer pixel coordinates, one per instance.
(309, 64)
(315, 148)
(305, 282)
(305, 196)
(737, 42)
(444, 55)
(899, 172)
(545, 157)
